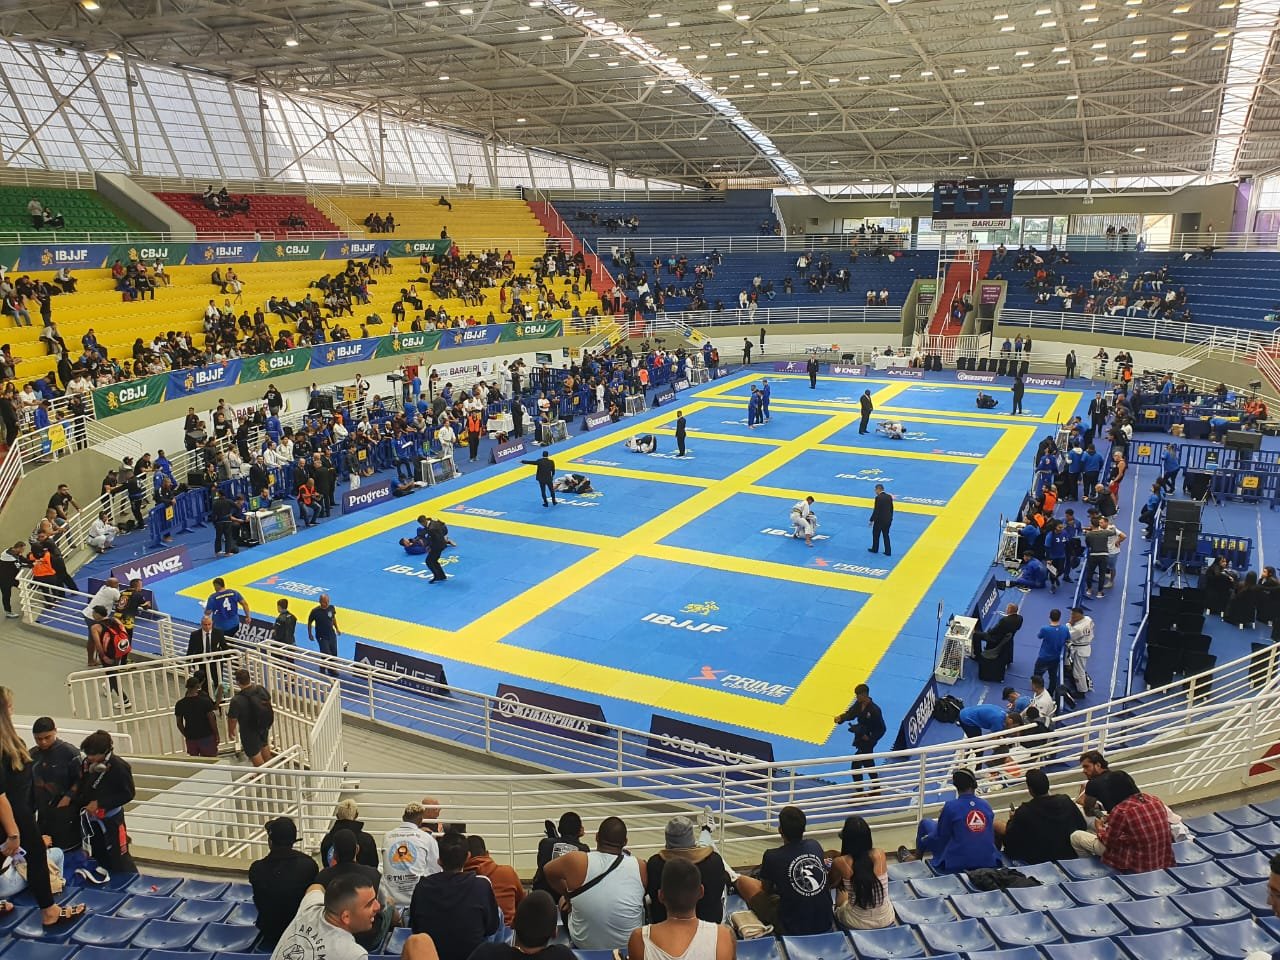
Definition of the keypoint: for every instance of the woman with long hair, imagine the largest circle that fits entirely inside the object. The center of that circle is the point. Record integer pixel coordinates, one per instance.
(860, 875)
(18, 819)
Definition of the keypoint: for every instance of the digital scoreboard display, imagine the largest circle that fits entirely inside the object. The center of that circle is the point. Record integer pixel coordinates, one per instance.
(972, 204)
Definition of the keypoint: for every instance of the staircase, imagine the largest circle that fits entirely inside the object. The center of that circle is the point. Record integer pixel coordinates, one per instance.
(558, 229)
(958, 281)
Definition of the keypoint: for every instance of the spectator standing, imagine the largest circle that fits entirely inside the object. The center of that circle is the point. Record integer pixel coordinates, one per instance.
(457, 909)
(55, 773)
(251, 715)
(285, 627)
(197, 718)
(1053, 641)
(346, 816)
(280, 880)
(105, 789)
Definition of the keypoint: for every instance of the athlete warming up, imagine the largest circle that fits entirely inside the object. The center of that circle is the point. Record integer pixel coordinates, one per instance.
(804, 522)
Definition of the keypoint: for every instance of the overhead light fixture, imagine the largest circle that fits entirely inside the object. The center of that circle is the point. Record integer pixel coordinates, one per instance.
(1218, 46)
(612, 63)
(1222, 34)
(979, 103)
(1178, 38)
(1101, 58)
(812, 9)
(1008, 28)
(465, 11)
(792, 73)
(1029, 63)
(963, 156)
(673, 23)
(748, 86)
(1139, 149)
(1090, 20)
(444, 76)
(524, 27)
(90, 5)
(743, 16)
(1064, 61)
(1100, 45)
(926, 73)
(431, 3)
(1001, 16)
(1139, 42)
(1059, 49)
(291, 42)
(805, 83)
(1175, 89)
(700, 56)
(725, 7)
(1178, 51)
(1184, 8)
(304, 89)
(813, 113)
(655, 16)
(520, 120)
(1086, 7)
(714, 44)
(1043, 12)
(701, 139)
(1072, 96)
(894, 109)
(1048, 23)
(959, 70)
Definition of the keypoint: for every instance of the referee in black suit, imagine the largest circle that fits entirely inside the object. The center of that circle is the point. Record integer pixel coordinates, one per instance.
(545, 474)
(881, 521)
(680, 433)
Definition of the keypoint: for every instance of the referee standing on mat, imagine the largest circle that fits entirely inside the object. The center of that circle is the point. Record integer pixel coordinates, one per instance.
(812, 367)
(680, 433)
(881, 521)
(867, 407)
(545, 474)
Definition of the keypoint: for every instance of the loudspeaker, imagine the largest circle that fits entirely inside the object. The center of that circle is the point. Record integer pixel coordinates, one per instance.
(1183, 511)
(1024, 367)
(1182, 518)
(1195, 484)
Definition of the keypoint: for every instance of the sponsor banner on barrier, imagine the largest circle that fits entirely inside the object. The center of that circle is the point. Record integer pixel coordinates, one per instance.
(185, 383)
(129, 396)
(154, 566)
(790, 366)
(989, 294)
(692, 744)
(985, 610)
(534, 331)
(400, 343)
(393, 661)
(171, 254)
(964, 376)
(666, 395)
(906, 373)
(366, 495)
(471, 336)
(258, 630)
(456, 371)
(54, 437)
(918, 717)
(85, 256)
(593, 421)
(416, 248)
(681, 385)
(10, 254)
(225, 252)
(292, 250)
(268, 365)
(343, 351)
(1043, 380)
(511, 450)
(355, 249)
(847, 370)
(548, 712)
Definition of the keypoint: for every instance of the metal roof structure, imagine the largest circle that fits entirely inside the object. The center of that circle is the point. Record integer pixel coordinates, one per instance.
(805, 92)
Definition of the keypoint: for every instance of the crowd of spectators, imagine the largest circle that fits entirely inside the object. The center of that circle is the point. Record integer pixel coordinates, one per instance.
(42, 218)
(222, 202)
(378, 224)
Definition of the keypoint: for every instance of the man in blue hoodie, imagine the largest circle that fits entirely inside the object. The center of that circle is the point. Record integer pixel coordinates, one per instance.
(1053, 640)
(1170, 465)
(963, 837)
(1033, 575)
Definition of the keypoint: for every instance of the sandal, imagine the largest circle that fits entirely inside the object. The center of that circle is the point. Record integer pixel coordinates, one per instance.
(65, 914)
(5, 907)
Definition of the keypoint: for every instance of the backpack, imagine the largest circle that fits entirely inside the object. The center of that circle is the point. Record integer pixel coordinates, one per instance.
(947, 709)
(264, 714)
(115, 641)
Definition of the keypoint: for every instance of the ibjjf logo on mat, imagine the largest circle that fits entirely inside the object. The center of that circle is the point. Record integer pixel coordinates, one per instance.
(773, 532)
(869, 474)
(741, 684)
(475, 511)
(701, 609)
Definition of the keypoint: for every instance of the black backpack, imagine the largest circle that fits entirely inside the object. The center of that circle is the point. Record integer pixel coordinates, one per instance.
(264, 714)
(947, 709)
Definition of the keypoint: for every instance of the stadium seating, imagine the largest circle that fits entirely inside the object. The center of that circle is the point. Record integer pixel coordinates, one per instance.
(735, 214)
(267, 213)
(468, 222)
(82, 210)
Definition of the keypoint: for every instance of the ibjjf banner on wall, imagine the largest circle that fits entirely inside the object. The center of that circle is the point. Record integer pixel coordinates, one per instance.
(343, 351)
(471, 336)
(186, 383)
(83, 256)
(223, 252)
(355, 249)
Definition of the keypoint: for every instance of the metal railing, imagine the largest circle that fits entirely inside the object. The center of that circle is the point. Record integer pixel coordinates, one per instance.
(760, 243)
(1138, 328)
(780, 315)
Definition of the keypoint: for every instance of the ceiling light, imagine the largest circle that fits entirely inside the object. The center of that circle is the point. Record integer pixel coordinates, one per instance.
(668, 90)
(1177, 38)
(792, 73)
(743, 16)
(893, 109)
(813, 113)
(683, 46)
(994, 67)
(748, 86)
(291, 42)
(747, 43)
(1064, 61)
(833, 162)
(732, 53)
(1100, 45)
(811, 9)
(304, 89)
(926, 73)
(776, 83)
(654, 16)
(1139, 149)
(1043, 12)
(593, 56)
(1100, 58)
(1184, 8)
(520, 120)
(1137, 55)
(1175, 89)
(1178, 50)
(443, 76)
(715, 166)
(1132, 14)
(715, 44)
(1085, 7)
(612, 63)
(1218, 46)
(465, 11)
(959, 70)
(1222, 34)
(1207, 110)
(864, 77)
(1048, 23)
(651, 83)
(1133, 3)
(1059, 49)
(1008, 28)
(725, 7)
(89, 5)
(673, 23)
(963, 156)
(700, 56)
(1020, 53)
(805, 83)
(1001, 16)
(762, 51)
(431, 3)
(762, 73)
(700, 139)
(523, 27)
(1029, 63)
(1072, 96)
(1140, 42)
(833, 80)
(1090, 20)
(547, 36)
(979, 103)
(735, 76)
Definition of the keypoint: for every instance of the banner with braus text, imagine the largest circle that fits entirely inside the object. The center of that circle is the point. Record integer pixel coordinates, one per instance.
(126, 397)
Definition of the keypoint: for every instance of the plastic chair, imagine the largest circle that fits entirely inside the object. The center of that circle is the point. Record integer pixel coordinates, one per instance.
(1104, 890)
(147, 908)
(1252, 866)
(97, 901)
(1085, 868)
(962, 936)
(1229, 844)
(947, 885)
(37, 950)
(168, 935)
(819, 946)
(11, 919)
(762, 948)
(1245, 816)
(1270, 809)
(911, 870)
(1188, 852)
(242, 915)
(928, 910)
(1016, 953)
(1044, 872)
(201, 911)
(1207, 825)
(1229, 941)
(1212, 906)
(1169, 945)
(1253, 896)
(238, 891)
(1051, 897)
(890, 943)
(1151, 916)
(102, 931)
(1202, 876)
(31, 927)
(1023, 929)
(897, 890)
(152, 886)
(1153, 883)
(225, 938)
(989, 903)
(1087, 950)
(1089, 923)
(184, 955)
(395, 942)
(201, 889)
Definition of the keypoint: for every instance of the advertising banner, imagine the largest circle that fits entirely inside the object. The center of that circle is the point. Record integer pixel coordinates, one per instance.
(964, 376)
(186, 383)
(292, 250)
(355, 249)
(905, 373)
(666, 395)
(1043, 380)
(594, 421)
(366, 495)
(919, 716)
(481, 336)
(83, 256)
(268, 365)
(548, 712)
(126, 397)
(847, 370)
(989, 294)
(679, 742)
(985, 609)
(790, 366)
(400, 343)
(53, 438)
(533, 331)
(172, 254)
(258, 630)
(511, 450)
(344, 351)
(225, 252)
(154, 566)
(416, 248)
(414, 668)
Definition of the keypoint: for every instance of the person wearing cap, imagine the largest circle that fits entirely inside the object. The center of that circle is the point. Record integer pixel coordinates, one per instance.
(346, 816)
(681, 844)
(534, 928)
(507, 888)
(329, 919)
(343, 847)
(409, 853)
(1040, 829)
(963, 837)
(280, 880)
(456, 908)
(682, 933)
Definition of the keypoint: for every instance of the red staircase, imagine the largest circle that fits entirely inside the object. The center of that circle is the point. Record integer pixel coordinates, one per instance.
(956, 282)
(267, 213)
(558, 229)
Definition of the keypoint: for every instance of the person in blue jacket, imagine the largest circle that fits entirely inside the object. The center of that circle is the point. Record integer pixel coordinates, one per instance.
(1055, 548)
(964, 835)
(1090, 470)
(1046, 469)
(983, 718)
(1151, 508)
(1075, 467)
(1033, 575)
(1170, 464)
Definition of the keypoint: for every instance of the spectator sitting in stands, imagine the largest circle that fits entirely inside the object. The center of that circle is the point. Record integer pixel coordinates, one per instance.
(682, 845)
(54, 221)
(860, 876)
(410, 853)
(603, 916)
(963, 836)
(457, 909)
(791, 892)
(343, 860)
(280, 880)
(1040, 829)
(680, 893)
(444, 202)
(64, 280)
(535, 926)
(329, 918)
(1134, 836)
(346, 817)
(507, 888)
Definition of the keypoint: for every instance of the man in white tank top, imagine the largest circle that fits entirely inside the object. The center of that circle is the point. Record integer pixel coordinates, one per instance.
(605, 889)
(682, 936)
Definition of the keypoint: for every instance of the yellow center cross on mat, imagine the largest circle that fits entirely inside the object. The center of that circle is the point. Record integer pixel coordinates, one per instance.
(850, 658)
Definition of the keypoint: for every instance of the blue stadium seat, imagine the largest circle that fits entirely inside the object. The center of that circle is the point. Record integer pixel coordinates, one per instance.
(147, 908)
(989, 903)
(1188, 852)
(593, 954)
(1168, 945)
(1086, 950)
(1202, 876)
(36, 950)
(1024, 929)
(31, 927)
(733, 903)
(1252, 866)
(243, 915)
(395, 942)
(1254, 896)
(948, 885)
(962, 936)
(1245, 816)
(15, 916)
(169, 935)
(98, 901)
(821, 946)
(1050, 897)
(761, 948)
(109, 953)
(1229, 844)
(238, 891)
(201, 911)
(240, 956)
(1209, 824)
(1151, 916)
(1104, 890)
(1044, 872)
(103, 931)
(185, 955)
(1153, 883)
(1089, 923)
(152, 886)
(225, 938)
(1016, 953)
(1085, 868)
(927, 910)
(891, 943)
(911, 870)
(1263, 835)
(897, 890)
(1272, 924)
(1270, 809)
(1230, 941)
(201, 890)
(1212, 906)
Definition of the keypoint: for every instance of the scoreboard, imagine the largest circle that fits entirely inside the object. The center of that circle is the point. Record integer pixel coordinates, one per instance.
(973, 204)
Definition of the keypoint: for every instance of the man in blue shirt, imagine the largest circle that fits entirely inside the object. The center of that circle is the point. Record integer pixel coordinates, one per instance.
(1171, 465)
(1046, 469)
(964, 835)
(1151, 508)
(1053, 640)
(224, 607)
(983, 718)
(322, 626)
(1033, 575)
(1091, 469)
(163, 466)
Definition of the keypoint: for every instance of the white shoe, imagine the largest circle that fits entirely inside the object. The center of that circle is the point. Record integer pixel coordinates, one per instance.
(13, 616)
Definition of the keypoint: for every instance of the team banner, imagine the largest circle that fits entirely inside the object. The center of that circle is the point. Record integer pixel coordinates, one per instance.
(355, 249)
(186, 383)
(534, 331)
(127, 397)
(268, 365)
(416, 248)
(173, 254)
(472, 336)
(293, 250)
(343, 351)
(83, 256)
(224, 252)
(402, 343)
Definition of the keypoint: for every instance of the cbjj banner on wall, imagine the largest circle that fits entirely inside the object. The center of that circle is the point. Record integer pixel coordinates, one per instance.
(127, 397)
(400, 343)
(268, 365)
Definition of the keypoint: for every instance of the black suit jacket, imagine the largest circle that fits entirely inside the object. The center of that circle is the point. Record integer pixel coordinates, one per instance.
(680, 430)
(195, 642)
(882, 512)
